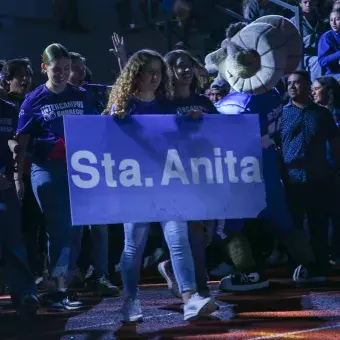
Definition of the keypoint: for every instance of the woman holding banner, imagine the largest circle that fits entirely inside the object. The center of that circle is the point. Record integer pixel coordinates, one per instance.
(187, 100)
(41, 128)
(144, 87)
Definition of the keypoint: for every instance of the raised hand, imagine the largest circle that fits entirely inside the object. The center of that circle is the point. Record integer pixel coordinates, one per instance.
(118, 47)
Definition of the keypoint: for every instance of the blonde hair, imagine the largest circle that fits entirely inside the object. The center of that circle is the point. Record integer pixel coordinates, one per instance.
(126, 85)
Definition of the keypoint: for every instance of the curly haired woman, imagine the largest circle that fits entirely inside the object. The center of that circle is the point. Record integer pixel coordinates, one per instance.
(144, 87)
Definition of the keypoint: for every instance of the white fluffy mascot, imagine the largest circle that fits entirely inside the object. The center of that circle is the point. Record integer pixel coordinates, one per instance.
(253, 60)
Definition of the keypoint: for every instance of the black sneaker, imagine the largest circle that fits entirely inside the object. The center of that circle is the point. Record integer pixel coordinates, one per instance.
(102, 286)
(242, 282)
(67, 304)
(61, 301)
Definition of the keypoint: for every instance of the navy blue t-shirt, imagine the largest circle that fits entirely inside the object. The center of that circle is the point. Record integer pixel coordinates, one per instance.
(8, 125)
(194, 103)
(139, 107)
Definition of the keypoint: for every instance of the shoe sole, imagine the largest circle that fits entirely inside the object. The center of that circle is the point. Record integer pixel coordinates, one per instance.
(63, 309)
(168, 280)
(137, 320)
(311, 280)
(206, 310)
(246, 288)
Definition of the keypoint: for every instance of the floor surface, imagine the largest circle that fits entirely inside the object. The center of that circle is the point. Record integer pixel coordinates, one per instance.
(283, 311)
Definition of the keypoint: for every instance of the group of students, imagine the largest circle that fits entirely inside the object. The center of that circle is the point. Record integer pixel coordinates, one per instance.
(148, 84)
(320, 28)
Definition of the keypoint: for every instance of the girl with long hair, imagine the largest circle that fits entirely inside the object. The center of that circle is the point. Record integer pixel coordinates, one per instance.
(329, 47)
(187, 83)
(326, 92)
(188, 100)
(41, 133)
(144, 87)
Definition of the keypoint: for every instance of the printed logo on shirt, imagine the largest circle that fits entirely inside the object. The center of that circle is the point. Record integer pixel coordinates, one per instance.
(185, 109)
(6, 125)
(53, 111)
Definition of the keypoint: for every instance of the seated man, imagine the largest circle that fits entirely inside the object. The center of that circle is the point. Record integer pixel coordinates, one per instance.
(312, 29)
(254, 9)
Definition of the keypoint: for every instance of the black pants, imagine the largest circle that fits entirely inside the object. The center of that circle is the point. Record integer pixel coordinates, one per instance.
(314, 201)
(335, 222)
(33, 228)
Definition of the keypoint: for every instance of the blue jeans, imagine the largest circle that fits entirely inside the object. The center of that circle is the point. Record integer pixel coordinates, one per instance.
(176, 236)
(313, 67)
(17, 272)
(99, 250)
(50, 187)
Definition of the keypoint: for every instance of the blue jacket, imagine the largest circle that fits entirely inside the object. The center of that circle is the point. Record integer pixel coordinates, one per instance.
(268, 106)
(329, 52)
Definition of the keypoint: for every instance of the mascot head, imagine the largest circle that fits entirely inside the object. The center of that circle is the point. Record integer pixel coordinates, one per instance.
(253, 58)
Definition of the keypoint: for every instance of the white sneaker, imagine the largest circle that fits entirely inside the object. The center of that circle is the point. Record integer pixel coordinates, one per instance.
(198, 306)
(301, 275)
(132, 311)
(164, 270)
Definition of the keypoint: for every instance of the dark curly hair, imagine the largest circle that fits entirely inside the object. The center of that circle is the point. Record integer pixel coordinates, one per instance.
(11, 68)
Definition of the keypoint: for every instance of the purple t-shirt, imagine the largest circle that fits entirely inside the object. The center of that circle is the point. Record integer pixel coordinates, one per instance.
(8, 125)
(41, 116)
(194, 103)
(156, 106)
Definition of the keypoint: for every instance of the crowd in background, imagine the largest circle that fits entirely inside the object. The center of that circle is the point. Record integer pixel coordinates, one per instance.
(307, 140)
